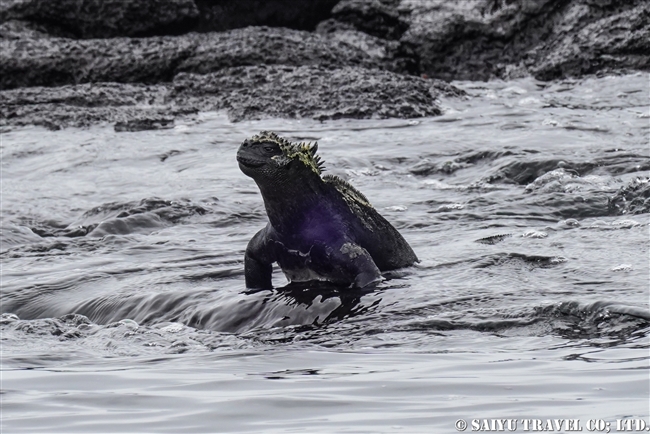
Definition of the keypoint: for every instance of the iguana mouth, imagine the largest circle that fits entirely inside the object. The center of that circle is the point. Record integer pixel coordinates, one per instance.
(249, 162)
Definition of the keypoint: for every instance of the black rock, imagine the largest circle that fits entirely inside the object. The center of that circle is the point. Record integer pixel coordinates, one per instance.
(245, 92)
(106, 18)
(61, 61)
(482, 39)
(143, 124)
(265, 45)
(113, 18)
(220, 15)
(380, 18)
(388, 53)
(17, 29)
(317, 92)
(86, 104)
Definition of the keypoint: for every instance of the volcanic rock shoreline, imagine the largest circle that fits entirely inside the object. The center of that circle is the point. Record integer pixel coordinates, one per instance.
(140, 64)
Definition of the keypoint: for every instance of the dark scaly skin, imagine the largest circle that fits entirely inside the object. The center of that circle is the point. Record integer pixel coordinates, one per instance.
(320, 228)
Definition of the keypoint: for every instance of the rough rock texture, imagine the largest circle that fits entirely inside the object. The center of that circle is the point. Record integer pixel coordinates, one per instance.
(264, 45)
(245, 92)
(380, 18)
(105, 18)
(387, 53)
(112, 18)
(220, 15)
(480, 39)
(56, 62)
(469, 39)
(127, 105)
(16, 29)
(59, 61)
(309, 91)
(621, 40)
(256, 72)
(140, 72)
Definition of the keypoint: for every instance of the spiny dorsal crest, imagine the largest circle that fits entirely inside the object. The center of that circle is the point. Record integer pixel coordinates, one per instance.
(305, 152)
(349, 193)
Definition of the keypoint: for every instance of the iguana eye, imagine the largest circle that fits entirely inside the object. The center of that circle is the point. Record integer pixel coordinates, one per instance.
(271, 149)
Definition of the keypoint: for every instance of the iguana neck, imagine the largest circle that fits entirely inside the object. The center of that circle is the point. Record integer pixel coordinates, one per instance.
(289, 205)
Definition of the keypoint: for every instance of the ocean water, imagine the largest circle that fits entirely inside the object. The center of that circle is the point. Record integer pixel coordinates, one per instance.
(124, 307)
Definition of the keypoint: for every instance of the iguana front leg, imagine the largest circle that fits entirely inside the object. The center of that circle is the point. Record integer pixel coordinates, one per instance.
(258, 261)
(359, 265)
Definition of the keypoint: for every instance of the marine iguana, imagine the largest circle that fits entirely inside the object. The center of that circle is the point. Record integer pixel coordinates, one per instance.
(320, 227)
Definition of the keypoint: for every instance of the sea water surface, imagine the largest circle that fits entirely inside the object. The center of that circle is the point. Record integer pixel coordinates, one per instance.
(124, 307)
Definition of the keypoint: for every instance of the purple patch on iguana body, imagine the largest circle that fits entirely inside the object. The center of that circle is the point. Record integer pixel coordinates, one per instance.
(322, 224)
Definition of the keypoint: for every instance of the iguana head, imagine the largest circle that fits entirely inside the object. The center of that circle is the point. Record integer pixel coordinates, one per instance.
(267, 156)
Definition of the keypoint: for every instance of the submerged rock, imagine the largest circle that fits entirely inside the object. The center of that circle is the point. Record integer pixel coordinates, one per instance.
(86, 104)
(634, 198)
(144, 124)
(123, 218)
